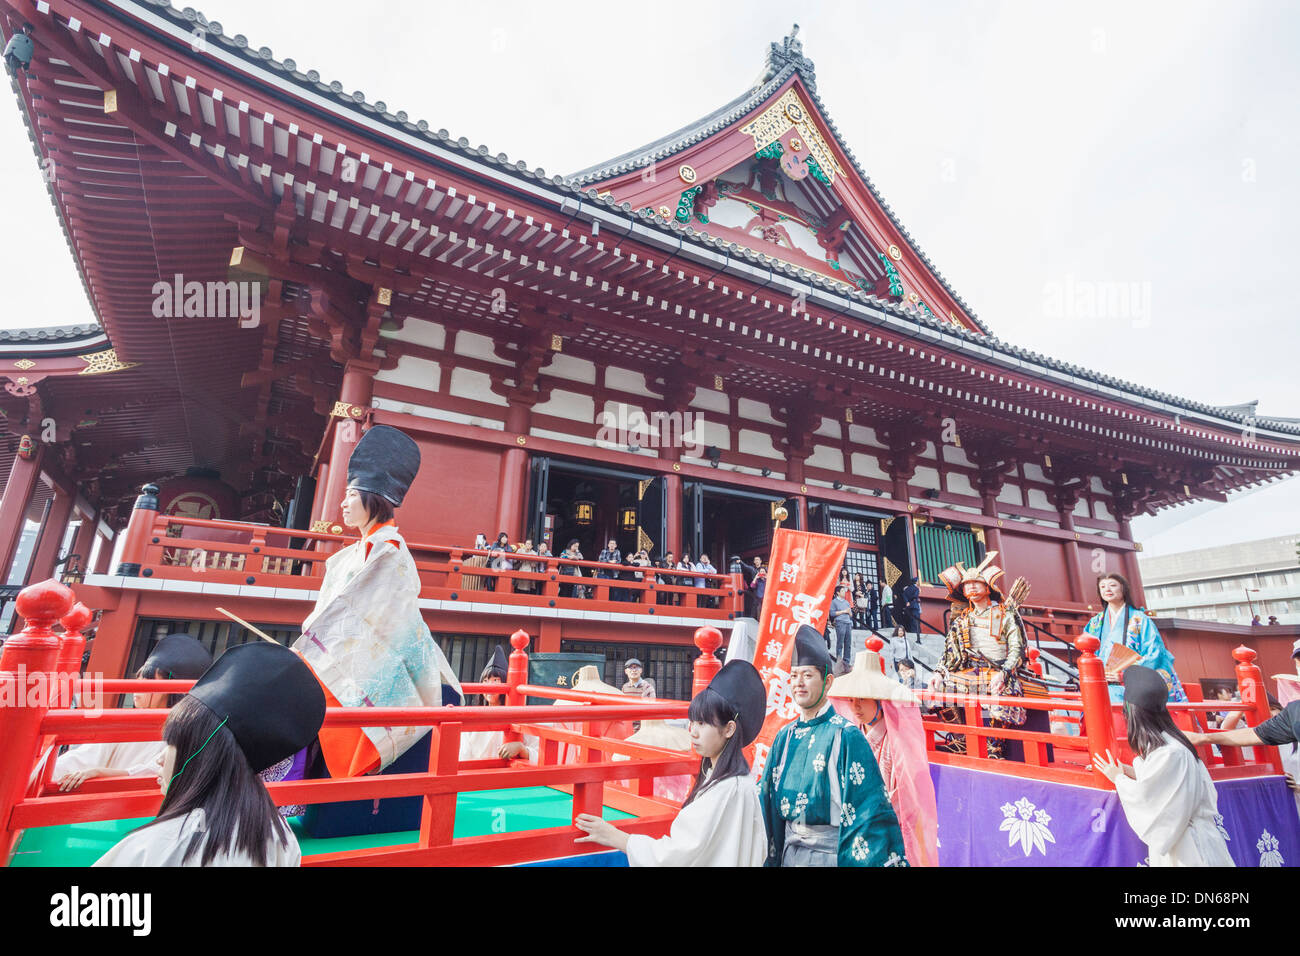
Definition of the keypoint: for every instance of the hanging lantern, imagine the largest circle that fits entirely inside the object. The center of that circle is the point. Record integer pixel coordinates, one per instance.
(584, 511)
(627, 519)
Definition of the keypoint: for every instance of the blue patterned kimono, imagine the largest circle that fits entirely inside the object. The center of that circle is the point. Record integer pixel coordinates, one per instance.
(1140, 635)
(823, 800)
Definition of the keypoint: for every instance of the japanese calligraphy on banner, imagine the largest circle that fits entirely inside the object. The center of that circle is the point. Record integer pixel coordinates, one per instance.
(800, 579)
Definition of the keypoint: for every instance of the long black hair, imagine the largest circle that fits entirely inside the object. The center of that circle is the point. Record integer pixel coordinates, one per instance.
(238, 812)
(1146, 730)
(710, 707)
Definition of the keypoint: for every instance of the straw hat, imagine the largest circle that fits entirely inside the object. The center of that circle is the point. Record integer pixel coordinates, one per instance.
(587, 679)
(957, 576)
(866, 681)
(656, 733)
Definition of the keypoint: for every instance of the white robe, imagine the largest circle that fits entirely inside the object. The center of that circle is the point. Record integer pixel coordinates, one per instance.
(134, 759)
(164, 844)
(723, 826)
(1172, 806)
(485, 745)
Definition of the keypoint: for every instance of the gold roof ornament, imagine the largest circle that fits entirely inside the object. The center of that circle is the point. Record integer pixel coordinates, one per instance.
(101, 363)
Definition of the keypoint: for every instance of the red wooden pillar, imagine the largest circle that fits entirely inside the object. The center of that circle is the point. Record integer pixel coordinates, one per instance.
(105, 553)
(1128, 559)
(85, 538)
(1250, 683)
(708, 640)
(1073, 571)
(23, 476)
(992, 534)
(1097, 724)
(139, 532)
(51, 536)
(512, 492)
(26, 665)
(673, 511)
(357, 392)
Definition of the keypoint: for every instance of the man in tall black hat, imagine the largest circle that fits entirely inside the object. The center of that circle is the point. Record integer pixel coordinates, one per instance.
(823, 798)
(366, 640)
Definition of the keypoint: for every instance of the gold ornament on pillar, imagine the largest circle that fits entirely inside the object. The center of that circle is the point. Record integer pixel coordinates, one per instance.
(26, 448)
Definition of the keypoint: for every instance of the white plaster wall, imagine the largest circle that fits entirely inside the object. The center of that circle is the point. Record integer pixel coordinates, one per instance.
(626, 380)
(571, 369)
(753, 411)
(412, 372)
(468, 383)
(925, 478)
(828, 428)
(711, 400)
(864, 435)
(1035, 473)
(422, 332)
(825, 456)
(571, 405)
(1011, 494)
(1101, 511)
(706, 431)
(479, 347)
(1081, 508)
(954, 455)
(757, 443)
(1038, 499)
(959, 484)
(867, 466)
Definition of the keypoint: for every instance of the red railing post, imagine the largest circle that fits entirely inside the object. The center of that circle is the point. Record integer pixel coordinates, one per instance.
(1096, 705)
(26, 664)
(72, 645)
(516, 675)
(737, 595)
(708, 640)
(874, 643)
(1250, 684)
(138, 532)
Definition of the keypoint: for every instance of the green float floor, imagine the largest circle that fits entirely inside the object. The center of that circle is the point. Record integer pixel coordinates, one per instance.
(477, 814)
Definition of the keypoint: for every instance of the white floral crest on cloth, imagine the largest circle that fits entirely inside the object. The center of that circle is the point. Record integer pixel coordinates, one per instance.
(819, 763)
(800, 804)
(1268, 850)
(801, 732)
(785, 808)
(1218, 822)
(857, 773)
(859, 848)
(848, 813)
(1026, 825)
(837, 720)
(895, 860)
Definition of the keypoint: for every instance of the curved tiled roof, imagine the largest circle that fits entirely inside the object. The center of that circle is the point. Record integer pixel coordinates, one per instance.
(53, 333)
(262, 57)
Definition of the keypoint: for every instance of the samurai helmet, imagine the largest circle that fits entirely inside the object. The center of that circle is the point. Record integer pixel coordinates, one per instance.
(957, 576)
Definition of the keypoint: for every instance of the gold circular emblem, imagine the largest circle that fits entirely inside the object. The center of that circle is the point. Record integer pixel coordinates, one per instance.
(336, 529)
(803, 489)
(665, 212)
(999, 522)
(796, 144)
(895, 253)
(687, 173)
(521, 440)
(356, 411)
(913, 297)
(676, 466)
(795, 112)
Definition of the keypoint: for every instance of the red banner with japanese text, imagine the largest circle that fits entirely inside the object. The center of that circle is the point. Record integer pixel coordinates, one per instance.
(801, 577)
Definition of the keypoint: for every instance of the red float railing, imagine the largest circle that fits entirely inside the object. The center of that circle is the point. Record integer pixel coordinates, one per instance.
(236, 554)
(594, 778)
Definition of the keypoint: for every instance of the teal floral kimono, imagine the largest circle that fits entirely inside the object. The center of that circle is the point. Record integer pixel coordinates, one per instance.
(823, 800)
(1140, 635)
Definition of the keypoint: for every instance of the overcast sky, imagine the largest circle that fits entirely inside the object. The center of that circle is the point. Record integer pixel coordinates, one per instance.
(1032, 149)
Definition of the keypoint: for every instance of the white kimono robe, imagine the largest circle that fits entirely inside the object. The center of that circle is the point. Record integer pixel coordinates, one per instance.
(367, 642)
(164, 844)
(485, 744)
(1172, 805)
(723, 826)
(134, 759)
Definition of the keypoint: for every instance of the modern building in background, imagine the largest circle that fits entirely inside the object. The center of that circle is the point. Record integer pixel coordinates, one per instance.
(1229, 583)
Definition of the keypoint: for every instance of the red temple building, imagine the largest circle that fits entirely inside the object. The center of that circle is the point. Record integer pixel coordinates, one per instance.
(661, 349)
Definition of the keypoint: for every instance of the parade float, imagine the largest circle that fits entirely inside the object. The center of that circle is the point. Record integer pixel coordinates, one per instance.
(666, 349)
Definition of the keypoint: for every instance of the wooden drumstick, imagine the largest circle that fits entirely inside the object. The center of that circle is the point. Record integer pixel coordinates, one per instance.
(239, 620)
